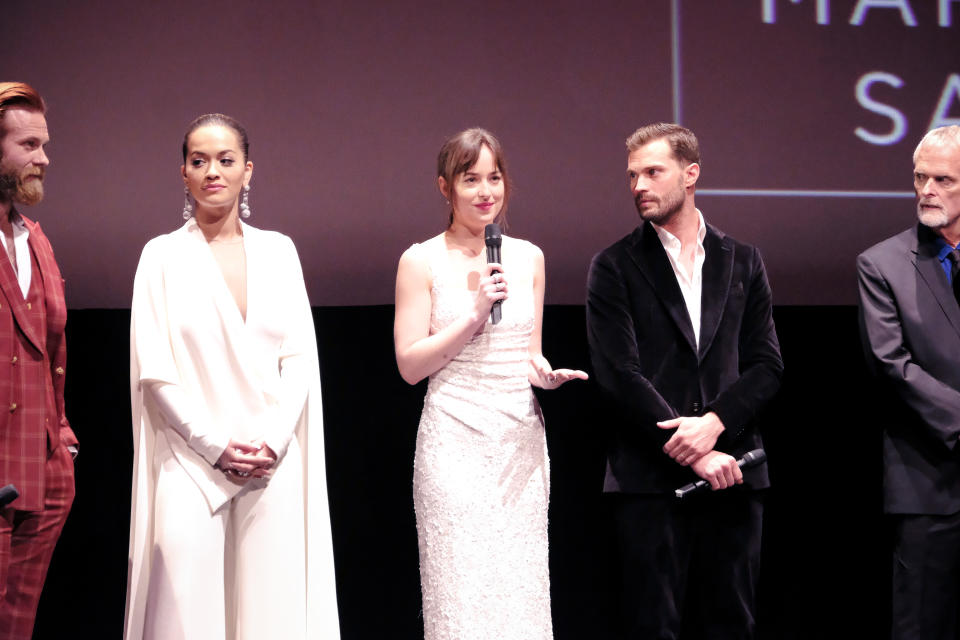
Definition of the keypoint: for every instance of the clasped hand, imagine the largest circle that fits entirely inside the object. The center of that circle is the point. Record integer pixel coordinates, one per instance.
(719, 469)
(692, 444)
(241, 461)
(694, 436)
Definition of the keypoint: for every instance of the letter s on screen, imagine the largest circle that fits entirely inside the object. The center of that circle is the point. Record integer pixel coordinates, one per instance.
(898, 120)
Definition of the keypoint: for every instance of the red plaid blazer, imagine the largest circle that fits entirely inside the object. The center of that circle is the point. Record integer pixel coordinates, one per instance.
(32, 373)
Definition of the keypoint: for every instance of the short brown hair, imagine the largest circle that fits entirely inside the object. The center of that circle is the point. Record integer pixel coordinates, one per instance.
(18, 94)
(682, 141)
(461, 152)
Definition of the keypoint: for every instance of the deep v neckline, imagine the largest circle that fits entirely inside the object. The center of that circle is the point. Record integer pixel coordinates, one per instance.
(220, 289)
(224, 259)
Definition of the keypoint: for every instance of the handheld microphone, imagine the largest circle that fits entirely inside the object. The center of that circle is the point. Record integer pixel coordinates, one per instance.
(8, 494)
(749, 459)
(493, 240)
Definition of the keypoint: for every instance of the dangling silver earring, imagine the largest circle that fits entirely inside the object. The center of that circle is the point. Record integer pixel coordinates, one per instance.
(187, 206)
(245, 202)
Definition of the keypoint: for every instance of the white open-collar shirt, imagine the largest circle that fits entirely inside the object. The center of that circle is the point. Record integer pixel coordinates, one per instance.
(24, 268)
(691, 284)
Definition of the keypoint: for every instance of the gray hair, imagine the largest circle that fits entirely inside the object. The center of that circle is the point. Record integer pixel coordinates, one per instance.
(947, 135)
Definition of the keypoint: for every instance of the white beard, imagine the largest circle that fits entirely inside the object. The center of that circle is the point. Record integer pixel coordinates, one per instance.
(933, 218)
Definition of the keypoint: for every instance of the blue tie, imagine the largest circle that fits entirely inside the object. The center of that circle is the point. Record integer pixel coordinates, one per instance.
(954, 257)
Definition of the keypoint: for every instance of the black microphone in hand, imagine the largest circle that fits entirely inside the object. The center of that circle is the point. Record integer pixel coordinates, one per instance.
(493, 240)
(749, 459)
(8, 494)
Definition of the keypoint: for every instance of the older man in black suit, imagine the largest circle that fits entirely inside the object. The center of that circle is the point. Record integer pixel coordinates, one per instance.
(681, 334)
(910, 323)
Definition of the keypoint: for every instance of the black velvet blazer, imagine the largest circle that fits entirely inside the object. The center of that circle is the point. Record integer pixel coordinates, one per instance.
(647, 364)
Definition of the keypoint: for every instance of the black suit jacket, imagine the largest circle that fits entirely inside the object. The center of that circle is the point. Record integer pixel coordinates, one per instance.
(646, 361)
(910, 324)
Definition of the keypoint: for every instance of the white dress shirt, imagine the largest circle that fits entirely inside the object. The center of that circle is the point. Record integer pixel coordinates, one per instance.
(20, 235)
(691, 284)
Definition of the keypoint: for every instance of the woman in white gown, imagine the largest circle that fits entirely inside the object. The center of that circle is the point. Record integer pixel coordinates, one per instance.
(230, 532)
(481, 473)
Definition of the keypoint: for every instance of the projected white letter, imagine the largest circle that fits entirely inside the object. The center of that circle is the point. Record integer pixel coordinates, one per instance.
(951, 91)
(945, 17)
(860, 12)
(770, 11)
(899, 122)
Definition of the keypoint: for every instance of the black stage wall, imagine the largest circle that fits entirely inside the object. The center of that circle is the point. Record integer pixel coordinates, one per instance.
(825, 564)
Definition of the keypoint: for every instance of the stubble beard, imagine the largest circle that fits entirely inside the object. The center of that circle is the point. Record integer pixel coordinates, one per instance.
(668, 207)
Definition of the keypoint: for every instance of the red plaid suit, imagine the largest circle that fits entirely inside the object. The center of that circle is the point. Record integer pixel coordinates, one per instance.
(34, 433)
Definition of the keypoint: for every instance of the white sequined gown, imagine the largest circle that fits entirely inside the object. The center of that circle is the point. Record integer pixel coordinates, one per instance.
(481, 472)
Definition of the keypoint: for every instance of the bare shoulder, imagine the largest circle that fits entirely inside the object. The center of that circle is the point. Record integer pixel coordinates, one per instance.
(413, 256)
(415, 260)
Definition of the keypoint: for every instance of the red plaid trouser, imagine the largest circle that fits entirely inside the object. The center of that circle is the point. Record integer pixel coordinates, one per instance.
(27, 540)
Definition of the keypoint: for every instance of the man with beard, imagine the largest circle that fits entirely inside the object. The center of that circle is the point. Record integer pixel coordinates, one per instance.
(35, 438)
(682, 341)
(910, 325)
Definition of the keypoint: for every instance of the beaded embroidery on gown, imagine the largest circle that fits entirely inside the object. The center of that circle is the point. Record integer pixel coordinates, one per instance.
(481, 473)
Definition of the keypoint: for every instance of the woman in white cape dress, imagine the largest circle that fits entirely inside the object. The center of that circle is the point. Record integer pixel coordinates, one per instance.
(230, 530)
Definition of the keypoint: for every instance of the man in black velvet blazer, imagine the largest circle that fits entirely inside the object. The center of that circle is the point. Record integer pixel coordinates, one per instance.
(910, 323)
(682, 341)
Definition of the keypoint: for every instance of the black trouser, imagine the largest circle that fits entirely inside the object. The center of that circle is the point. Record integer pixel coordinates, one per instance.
(690, 567)
(926, 577)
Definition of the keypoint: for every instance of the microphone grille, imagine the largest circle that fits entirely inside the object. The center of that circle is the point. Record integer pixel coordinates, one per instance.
(491, 235)
(755, 457)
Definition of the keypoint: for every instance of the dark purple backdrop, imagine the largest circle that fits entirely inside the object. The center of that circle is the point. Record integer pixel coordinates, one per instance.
(347, 103)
